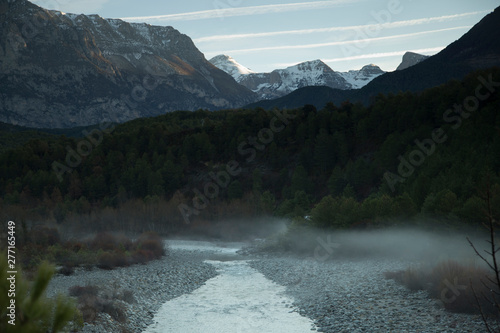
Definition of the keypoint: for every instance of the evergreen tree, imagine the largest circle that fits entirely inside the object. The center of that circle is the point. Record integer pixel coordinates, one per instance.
(33, 312)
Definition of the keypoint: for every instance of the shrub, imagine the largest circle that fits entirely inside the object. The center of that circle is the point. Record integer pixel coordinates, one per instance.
(152, 246)
(458, 286)
(91, 303)
(455, 284)
(413, 278)
(142, 256)
(150, 242)
(115, 310)
(78, 291)
(128, 296)
(44, 236)
(110, 260)
(103, 241)
(66, 270)
(89, 307)
(34, 312)
(123, 242)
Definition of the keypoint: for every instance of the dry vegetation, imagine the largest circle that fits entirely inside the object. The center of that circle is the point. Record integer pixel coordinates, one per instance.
(454, 284)
(91, 302)
(105, 250)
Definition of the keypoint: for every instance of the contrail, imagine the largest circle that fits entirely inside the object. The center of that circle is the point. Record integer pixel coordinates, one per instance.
(389, 25)
(241, 11)
(366, 40)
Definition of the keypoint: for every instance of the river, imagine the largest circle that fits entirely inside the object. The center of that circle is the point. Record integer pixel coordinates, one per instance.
(238, 300)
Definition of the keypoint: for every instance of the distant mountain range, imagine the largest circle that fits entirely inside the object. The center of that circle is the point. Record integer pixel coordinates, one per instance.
(477, 49)
(65, 70)
(283, 81)
(62, 70)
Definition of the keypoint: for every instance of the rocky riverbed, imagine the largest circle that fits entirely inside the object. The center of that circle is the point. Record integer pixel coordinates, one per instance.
(339, 295)
(354, 296)
(151, 285)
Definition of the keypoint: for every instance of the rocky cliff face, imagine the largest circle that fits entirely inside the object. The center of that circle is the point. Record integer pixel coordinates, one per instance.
(64, 70)
(411, 59)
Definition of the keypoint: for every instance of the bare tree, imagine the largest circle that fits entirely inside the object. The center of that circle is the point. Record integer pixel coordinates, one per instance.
(490, 258)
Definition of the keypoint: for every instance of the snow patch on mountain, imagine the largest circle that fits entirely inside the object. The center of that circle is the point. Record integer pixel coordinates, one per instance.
(230, 66)
(283, 81)
(360, 78)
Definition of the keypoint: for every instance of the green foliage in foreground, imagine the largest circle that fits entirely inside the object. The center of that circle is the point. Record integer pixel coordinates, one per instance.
(33, 311)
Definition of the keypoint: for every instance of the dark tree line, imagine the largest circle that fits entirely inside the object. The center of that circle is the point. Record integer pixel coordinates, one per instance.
(337, 154)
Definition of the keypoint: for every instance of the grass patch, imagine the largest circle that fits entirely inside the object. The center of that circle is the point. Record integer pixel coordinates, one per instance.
(462, 288)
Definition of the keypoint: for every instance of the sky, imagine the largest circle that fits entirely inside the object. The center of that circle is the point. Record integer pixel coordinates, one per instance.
(267, 35)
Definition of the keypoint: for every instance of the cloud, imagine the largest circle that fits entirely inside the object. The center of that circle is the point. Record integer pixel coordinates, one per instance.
(385, 54)
(363, 41)
(241, 11)
(389, 25)
(429, 51)
(71, 6)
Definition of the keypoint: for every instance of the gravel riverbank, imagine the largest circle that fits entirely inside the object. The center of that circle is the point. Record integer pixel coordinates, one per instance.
(339, 295)
(354, 296)
(152, 284)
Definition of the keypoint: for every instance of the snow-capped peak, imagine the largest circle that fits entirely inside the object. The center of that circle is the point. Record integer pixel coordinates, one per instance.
(310, 65)
(283, 81)
(359, 78)
(230, 66)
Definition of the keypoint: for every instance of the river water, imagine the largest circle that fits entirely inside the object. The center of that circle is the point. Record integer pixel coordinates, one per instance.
(238, 300)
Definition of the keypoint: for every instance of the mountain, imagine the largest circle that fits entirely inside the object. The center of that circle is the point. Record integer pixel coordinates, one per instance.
(360, 78)
(230, 66)
(411, 59)
(65, 70)
(477, 49)
(283, 81)
(318, 96)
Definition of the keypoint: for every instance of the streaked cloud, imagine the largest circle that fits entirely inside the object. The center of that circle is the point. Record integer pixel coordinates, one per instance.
(385, 54)
(388, 25)
(340, 43)
(75, 7)
(432, 50)
(242, 11)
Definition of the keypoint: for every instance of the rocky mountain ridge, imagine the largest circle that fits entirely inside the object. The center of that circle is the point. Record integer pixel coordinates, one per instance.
(411, 59)
(62, 70)
(281, 82)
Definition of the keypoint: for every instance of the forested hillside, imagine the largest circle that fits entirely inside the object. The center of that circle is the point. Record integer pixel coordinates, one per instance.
(429, 155)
